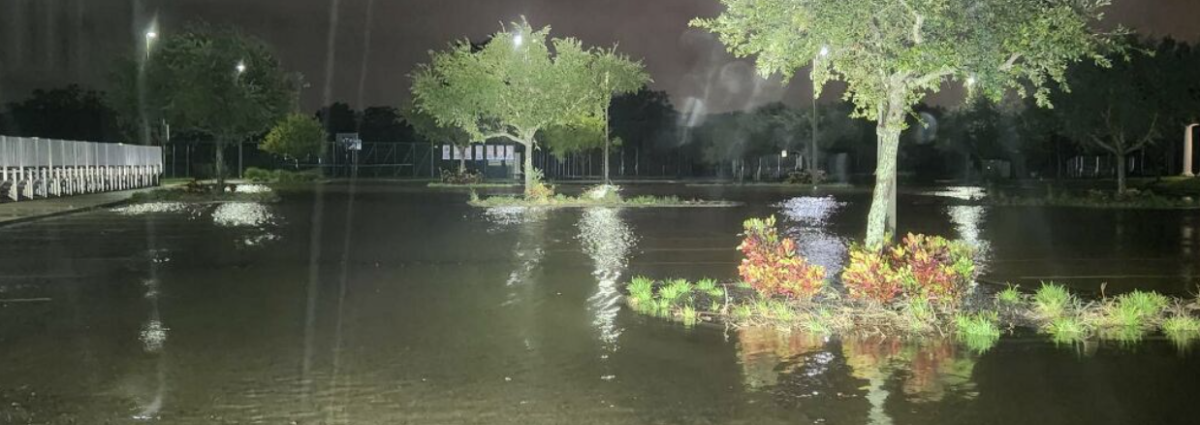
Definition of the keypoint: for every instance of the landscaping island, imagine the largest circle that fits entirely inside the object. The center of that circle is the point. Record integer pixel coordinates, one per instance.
(920, 287)
(543, 196)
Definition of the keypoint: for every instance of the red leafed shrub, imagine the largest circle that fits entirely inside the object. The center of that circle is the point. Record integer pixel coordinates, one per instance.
(928, 267)
(771, 265)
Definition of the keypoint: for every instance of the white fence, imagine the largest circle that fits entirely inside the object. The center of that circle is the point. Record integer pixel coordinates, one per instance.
(32, 168)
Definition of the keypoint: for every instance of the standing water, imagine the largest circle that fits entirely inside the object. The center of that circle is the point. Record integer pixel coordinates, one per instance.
(385, 304)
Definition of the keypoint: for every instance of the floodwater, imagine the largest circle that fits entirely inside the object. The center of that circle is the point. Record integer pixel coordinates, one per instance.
(388, 304)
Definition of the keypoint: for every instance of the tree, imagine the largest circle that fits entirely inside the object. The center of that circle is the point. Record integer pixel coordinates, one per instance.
(70, 113)
(428, 128)
(511, 88)
(892, 53)
(297, 136)
(214, 81)
(383, 123)
(614, 74)
(338, 117)
(583, 133)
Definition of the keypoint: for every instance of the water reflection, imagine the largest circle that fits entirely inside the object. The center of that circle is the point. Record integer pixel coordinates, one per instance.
(968, 220)
(870, 369)
(608, 240)
(253, 215)
(965, 193)
(811, 229)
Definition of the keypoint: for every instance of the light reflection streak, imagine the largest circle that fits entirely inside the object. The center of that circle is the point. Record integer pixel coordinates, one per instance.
(968, 220)
(608, 240)
(814, 240)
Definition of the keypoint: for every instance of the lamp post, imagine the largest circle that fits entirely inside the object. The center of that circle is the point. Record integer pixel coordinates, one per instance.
(815, 113)
(150, 37)
(241, 68)
(1187, 151)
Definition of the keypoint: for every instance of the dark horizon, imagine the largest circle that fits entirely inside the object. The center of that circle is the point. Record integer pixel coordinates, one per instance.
(70, 41)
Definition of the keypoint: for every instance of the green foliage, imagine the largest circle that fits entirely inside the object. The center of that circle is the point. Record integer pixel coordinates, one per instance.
(709, 287)
(1066, 329)
(772, 266)
(927, 267)
(676, 291)
(191, 80)
(911, 47)
(641, 288)
(518, 84)
(297, 136)
(1052, 300)
(689, 315)
(259, 175)
(1009, 296)
(1182, 329)
(979, 331)
(1136, 309)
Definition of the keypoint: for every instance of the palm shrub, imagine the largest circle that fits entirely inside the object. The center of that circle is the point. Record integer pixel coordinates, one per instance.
(771, 265)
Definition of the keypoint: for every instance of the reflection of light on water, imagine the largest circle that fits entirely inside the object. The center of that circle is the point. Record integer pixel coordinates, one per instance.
(234, 214)
(967, 221)
(765, 354)
(608, 240)
(153, 335)
(810, 216)
(966, 193)
(151, 208)
(507, 216)
(252, 188)
(259, 239)
(528, 249)
(931, 369)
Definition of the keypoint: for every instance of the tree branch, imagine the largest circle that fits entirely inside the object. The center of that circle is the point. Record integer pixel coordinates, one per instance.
(1012, 60)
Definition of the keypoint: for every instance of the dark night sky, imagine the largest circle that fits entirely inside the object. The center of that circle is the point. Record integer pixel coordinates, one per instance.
(53, 42)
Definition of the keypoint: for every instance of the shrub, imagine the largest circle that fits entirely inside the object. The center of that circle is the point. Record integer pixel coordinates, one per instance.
(709, 286)
(258, 175)
(929, 267)
(538, 190)
(805, 177)
(1052, 300)
(869, 276)
(603, 193)
(771, 265)
(466, 177)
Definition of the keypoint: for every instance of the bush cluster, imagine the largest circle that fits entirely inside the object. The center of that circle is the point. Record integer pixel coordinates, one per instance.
(465, 177)
(919, 267)
(771, 265)
(260, 175)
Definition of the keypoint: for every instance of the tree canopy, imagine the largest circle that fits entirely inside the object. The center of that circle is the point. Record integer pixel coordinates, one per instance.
(892, 53)
(516, 85)
(295, 137)
(210, 80)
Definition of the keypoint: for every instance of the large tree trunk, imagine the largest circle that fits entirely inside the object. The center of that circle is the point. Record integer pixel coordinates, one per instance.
(462, 159)
(881, 219)
(219, 166)
(528, 167)
(1120, 174)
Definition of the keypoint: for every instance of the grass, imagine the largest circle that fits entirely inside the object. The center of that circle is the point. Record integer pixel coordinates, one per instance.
(709, 286)
(1136, 309)
(642, 290)
(978, 331)
(1065, 329)
(1181, 330)
(1009, 296)
(689, 315)
(675, 290)
(1052, 300)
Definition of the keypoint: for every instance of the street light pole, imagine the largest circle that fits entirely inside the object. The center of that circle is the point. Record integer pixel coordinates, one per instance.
(241, 68)
(815, 114)
(1187, 151)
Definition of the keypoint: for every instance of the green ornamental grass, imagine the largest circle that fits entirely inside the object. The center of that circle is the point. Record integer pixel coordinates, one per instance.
(1052, 300)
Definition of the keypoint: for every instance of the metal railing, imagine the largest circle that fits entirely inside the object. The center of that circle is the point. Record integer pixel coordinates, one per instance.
(32, 168)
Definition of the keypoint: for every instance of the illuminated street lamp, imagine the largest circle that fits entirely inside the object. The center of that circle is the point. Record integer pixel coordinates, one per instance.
(241, 67)
(151, 35)
(518, 40)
